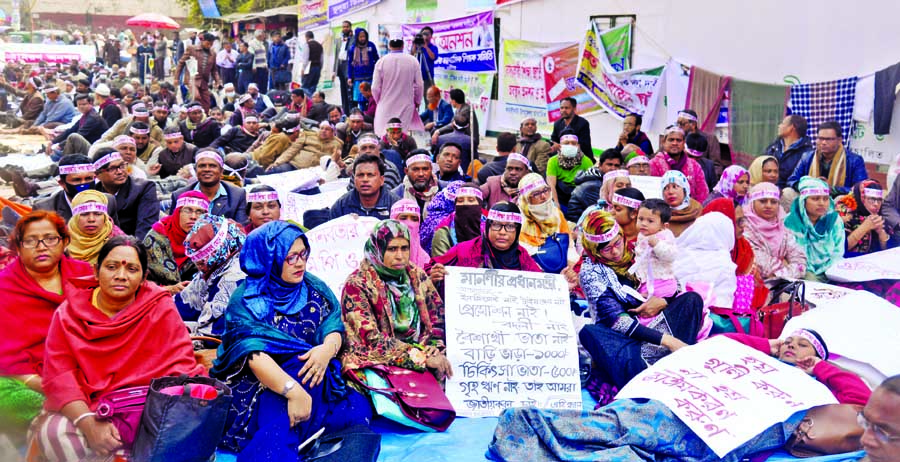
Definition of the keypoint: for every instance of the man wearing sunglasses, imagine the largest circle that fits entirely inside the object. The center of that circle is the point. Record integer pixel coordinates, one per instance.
(136, 203)
(881, 421)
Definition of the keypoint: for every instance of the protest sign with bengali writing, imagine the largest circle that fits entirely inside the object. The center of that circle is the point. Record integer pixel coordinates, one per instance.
(336, 248)
(36, 52)
(312, 14)
(869, 267)
(510, 341)
(727, 392)
(294, 205)
(304, 179)
(464, 44)
(559, 82)
(338, 8)
(477, 87)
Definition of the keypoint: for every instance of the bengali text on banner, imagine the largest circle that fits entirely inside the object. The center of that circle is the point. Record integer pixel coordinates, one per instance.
(464, 44)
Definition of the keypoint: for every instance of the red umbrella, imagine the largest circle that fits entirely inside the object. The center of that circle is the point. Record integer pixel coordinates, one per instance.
(153, 21)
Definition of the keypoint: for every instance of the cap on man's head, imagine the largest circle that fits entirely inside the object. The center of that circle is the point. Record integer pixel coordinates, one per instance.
(102, 90)
(253, 85)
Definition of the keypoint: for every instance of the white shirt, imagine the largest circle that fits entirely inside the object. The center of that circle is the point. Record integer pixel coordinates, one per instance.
(226, 59)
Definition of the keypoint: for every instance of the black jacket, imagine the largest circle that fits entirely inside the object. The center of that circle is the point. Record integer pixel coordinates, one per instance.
(91, 126)
(231, 205)
(235, 140)
(789, 158)
(494, 167)
(58, 203)
(172, 162)
(580, 128)
(204, 135)
(137, 206)
(586, 193)
(111, 114)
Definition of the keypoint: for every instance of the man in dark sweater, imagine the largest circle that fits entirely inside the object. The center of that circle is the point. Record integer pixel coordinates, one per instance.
(76, 174)
(570, 122)
(176, 154)
(314, 57)
(239, 139)
(199, 129)
(136, 203)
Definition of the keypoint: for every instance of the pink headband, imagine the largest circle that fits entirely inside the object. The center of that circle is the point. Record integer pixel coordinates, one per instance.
(326, 124)
(524, 190)
(615, 174)
(369, 141)
(470, 192)
(505, 217)
(870, 192)
(400, 209)
(90, 207)
(77, 168)
(817, 345)
(688, 116)
(123, 140)
(395, 125)
(207, 250)
(107, 159)
(765, 194)
(417, 158)
(693, 152)
(815, 192)
(637, 160)
(209, 155)
(173, 136)
(251, 119)
(605, 237)
(355, 116)
(195, 109)
(518, 158)
(626, 201)
(674, 129)
(192, 202)
(568, 138)
(262, 196)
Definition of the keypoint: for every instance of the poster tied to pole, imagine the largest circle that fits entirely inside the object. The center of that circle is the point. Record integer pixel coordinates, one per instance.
(727, 392)
(510, 341)
(464, 44)
(477, 87)
(619, 92)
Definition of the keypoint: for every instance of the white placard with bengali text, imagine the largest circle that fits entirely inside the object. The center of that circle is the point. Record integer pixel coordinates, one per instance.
(510, 341)
(336, 248)
(868, 267)
(727, 392)
(305, 178)
(650, 186)
(293, 205)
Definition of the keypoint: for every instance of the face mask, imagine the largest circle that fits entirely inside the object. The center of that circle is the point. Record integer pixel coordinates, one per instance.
(543, 211)
(229, 94)
(73, 190)
(568, 150)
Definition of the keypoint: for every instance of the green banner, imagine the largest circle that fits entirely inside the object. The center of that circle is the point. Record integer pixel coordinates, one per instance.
(420, 10)
(617, 43)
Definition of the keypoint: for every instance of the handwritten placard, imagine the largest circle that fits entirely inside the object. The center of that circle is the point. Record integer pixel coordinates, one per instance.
(869, 267)
(304, 178)
(727, 392)
(510, 341)
(293, 205)
(650, 186)
(336, 248)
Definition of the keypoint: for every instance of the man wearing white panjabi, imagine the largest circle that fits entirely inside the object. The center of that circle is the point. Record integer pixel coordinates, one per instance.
(394, 75)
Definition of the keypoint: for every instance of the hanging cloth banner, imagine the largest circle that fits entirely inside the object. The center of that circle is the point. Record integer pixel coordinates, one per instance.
(559, 82)
(338, 8)
(465, 44)
(312, 14)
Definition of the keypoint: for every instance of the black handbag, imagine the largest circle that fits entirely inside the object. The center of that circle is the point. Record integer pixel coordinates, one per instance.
(183, 419)
(282, 76)
(357, 443)
(552, 255)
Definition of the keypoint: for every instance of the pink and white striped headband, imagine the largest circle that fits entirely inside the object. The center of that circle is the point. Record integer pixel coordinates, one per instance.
(605, 237)
(173, 136)
(686, 115)
(368, 141)
(417, 158)
(615, 174)
(505, 217)
(528, 188)
(139, 131)
(77, 168)
(637, 160)
(90, 207)
(203, 253)
(765, 194)
(626, 201)
(395, 125)
(262, 196)
(569, 137)
(518, 158)
(817, 345)
(815, 192)
(400, 209)
(197, 108)
(192, 202)
(122, 140)
(470, 192)
(871, 192)
(209, 155)
(107, 159)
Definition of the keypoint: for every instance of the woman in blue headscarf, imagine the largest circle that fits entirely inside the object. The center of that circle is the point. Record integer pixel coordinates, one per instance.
(283, 332)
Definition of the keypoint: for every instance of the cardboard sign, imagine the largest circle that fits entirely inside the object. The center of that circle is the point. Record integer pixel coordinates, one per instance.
(336, 248)
(869, 267)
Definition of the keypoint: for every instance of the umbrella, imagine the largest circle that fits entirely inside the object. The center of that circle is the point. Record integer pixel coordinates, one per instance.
(153, 21)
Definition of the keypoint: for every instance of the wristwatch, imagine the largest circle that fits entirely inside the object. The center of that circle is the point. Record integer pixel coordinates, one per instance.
(288, 386)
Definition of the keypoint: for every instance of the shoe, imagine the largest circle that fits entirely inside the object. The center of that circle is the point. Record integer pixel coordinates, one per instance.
(21, 185)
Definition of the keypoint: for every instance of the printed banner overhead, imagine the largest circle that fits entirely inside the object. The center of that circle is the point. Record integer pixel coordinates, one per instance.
(338, 8)
(476, 86)
(312, 14)
(559, 82)
(620, 93)
(465, 44)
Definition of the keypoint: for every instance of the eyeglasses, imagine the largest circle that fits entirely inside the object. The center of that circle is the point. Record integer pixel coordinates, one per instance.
(32, 243)
(879, 432)
(612, 246)
(541, 194)
(293, 258)
(508, 227)
(111, 168)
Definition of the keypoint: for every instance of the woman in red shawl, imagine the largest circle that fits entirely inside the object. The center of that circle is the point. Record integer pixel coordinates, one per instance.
(114, 331)
(168, 264)
(751, 291)
(32, 288)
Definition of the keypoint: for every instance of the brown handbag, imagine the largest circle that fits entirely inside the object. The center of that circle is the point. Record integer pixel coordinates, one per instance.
(825, 430)
(773, 317)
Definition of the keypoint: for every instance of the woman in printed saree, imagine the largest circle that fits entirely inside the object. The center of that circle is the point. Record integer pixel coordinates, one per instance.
(115, 330)
(393, 314)
(816, 226)
(283, 332)
(463, 224)
(33, 286)
(636, 430)
(169, 265)
(90, 226)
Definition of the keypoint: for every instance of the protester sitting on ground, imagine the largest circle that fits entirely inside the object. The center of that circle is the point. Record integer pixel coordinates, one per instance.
(160, 113)
(368, 144)
(107, 105)
(283, 332)
(263, 206)
(881, 412)
(534, 147)
(239, 139)
(168, 265)
(543, 221)
(90, 226)
(127, 149)
(690, 123)
(392, 311)
(636, 161)
(624, 207)
(139, 113)
(463, 109)
(627, 334)
(506, 144)
(463, 224)
(265, 150)
(563, 167)
(674, 157)
(396, 140)
(419, 183)
(734, 184)
(840, 168)
(225, 198)
(76, 174)
(891, 207)
(57, 111)
(350, 132)
(676, 191)
(407, 212)
(459, 134)
(93, 350)
(790, 147)
(505, 187)
(33, 286)
(441, 207)
(137, 205)
(763, 169)
(370, 196)
(863, 221)
(438, 113)
(32, 103)
(448, 162)
(305, 150)
(78, 138)
(146, 148)
(176, 154)
(244, 106)
(775, 251)
(319, 109)
(817, 227)
(214, 246)
(696, 146)
(367, 103)
(621, 426)
(632, 134)
(198, 129)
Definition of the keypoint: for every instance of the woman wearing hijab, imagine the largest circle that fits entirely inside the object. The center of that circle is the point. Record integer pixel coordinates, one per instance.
(362, 55)
(463, 224)
(613, 181)
(763, 169)
(90, 226)
(733, 184)
(263, 206)
(775, 251)
(168, 264)
(677, 193)
(442, 206)
(283, 333)
(393, 314)
(543, 220)
(407, 211)
(214, 246)
(563, 167)
(816, 226)
(863, 221)
(627, 334)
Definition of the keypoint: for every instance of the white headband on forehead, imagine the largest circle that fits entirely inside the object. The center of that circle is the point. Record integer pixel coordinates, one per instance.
(528, 188)
(400, 209)
(107, 159)
(565, 138)
(518, 158)
(173, 136)
(505, 217)
(262, 196)
(605, 237)
(210, 155)
(395, 125)
(637, 160)
(765, 194)
(817, 345)
(470, 192)
(76, 168)
(815, 192)
(367, 141)
(248, 119)
(626, 201)
(674, 129)
(192, 202)
(615, 174)
(417, 158)
(875, 193)
(203, 253)
(687, 115)
(122, 140)
(90, 207)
